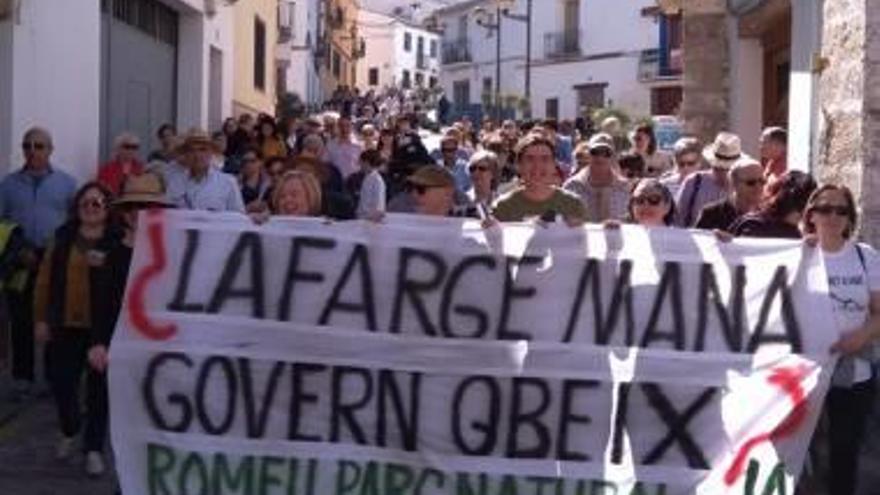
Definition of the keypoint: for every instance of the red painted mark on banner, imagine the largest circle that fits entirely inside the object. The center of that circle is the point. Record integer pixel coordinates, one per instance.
(137, 312)
(789, 380)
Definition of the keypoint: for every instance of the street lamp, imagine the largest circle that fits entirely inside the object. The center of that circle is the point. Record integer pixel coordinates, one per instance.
(492, 22)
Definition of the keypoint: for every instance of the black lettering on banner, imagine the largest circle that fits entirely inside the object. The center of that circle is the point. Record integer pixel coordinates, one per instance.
(257, 418)
(621, 297)
(295, 276)
(228, 384)
(160, 462)
(620, 414)
(407, 421)
(178, 399)
(731, 326)
(248, 242)
(792, 336)
(189, 255)
(266, 478)
(343, 411)
(359, 259)
(299, 397)
(407, 288)
(677, 424)
(668, 288)
(567, 417)
(193, 469)
(519, 418)
(511, 293)
(488, 427)
(478, 315)
(224, 480)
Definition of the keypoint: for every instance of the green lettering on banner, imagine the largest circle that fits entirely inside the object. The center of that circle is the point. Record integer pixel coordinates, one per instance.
(423, 479)
(193, 469)
(598, 487)
(775, 484)
(398, 479)
(346, 481)
(370, 483)
(508, 485)
(463, 485)
(241, 481)
(267, 478)
(160, 460)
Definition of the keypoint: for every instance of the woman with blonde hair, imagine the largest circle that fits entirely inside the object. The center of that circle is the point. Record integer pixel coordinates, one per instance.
(297, 193)
(125, 162)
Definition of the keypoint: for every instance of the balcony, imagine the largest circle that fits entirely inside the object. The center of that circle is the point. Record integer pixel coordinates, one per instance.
(562, 44)
(457, 51)
(285, 33)
(651, 68)
(421, 61)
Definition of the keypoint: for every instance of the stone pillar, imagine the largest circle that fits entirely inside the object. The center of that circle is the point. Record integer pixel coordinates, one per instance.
(849, 105)
(706, 105)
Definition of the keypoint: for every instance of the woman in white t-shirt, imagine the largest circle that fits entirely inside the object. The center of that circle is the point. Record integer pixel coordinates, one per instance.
(854, 287)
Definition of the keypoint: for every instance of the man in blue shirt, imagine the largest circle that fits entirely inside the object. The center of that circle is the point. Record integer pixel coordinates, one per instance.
(37, 198)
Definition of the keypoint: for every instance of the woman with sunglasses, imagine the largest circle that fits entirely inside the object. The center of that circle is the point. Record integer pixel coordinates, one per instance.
(650, 204)
(125, 162)
(854, 287)
(484, 173)
(65, 312)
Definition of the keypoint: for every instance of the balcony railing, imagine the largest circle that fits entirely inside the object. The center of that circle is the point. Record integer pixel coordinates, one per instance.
(457, 51)
(562, 44)
(651, 69)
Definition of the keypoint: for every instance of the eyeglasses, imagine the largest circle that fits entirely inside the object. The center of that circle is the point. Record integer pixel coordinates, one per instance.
(754, 182)
(648, 199)
(91, 203)
(604, 153)
(131, 146)
(421, 189)
(478, 168)
(839, 210)
(33, 146)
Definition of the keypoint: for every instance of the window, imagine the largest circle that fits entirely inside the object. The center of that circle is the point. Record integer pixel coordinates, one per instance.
(337, 64)
(461, 93)
(374, 76)
(432, 82)
(551, 108)
(406, 83)
(259, 54)
(433, 49)
(420, 79)
(487, 85)
(407, 42)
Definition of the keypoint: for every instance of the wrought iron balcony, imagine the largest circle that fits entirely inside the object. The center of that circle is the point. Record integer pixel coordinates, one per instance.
(457, 51)
(562, 44)
(652, 69)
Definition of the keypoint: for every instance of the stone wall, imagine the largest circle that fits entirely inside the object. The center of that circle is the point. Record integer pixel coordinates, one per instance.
(706, 102)
(849, 105)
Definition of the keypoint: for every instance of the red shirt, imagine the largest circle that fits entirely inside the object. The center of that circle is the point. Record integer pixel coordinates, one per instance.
(112, 174)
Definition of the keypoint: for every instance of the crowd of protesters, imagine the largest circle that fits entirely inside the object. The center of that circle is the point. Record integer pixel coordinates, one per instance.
(64, 251)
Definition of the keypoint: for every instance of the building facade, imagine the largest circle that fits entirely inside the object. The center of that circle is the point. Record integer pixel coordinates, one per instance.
(88, 88)
(398, 53)
(583, 55)
(341, 45)
(256, 32)
(298, 64)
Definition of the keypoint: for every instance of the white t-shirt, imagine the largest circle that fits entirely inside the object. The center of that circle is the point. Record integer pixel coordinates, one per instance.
(850, 285)
(372, 199)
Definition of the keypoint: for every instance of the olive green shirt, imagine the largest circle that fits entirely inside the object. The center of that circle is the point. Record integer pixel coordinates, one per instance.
(516, 207)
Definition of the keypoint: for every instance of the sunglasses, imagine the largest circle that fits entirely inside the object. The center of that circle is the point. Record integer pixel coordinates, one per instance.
(648, 199)
(32, 146)
(421, 189)
(131, 146)
(478, 168)
(604, 153)
(754, 182)
(839, 210)
(91, 203)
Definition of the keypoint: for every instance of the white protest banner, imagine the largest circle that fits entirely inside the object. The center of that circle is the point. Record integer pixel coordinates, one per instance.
(433, 357)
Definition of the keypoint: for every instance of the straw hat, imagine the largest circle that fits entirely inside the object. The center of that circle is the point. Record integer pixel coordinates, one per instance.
(432, 176)
(146, 189)
(724, 152)
(196, 137)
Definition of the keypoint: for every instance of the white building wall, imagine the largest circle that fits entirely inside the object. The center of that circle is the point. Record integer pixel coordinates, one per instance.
(62, 91)
(55, 81)
(746, 88)
(385, 50)
(302, 76)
